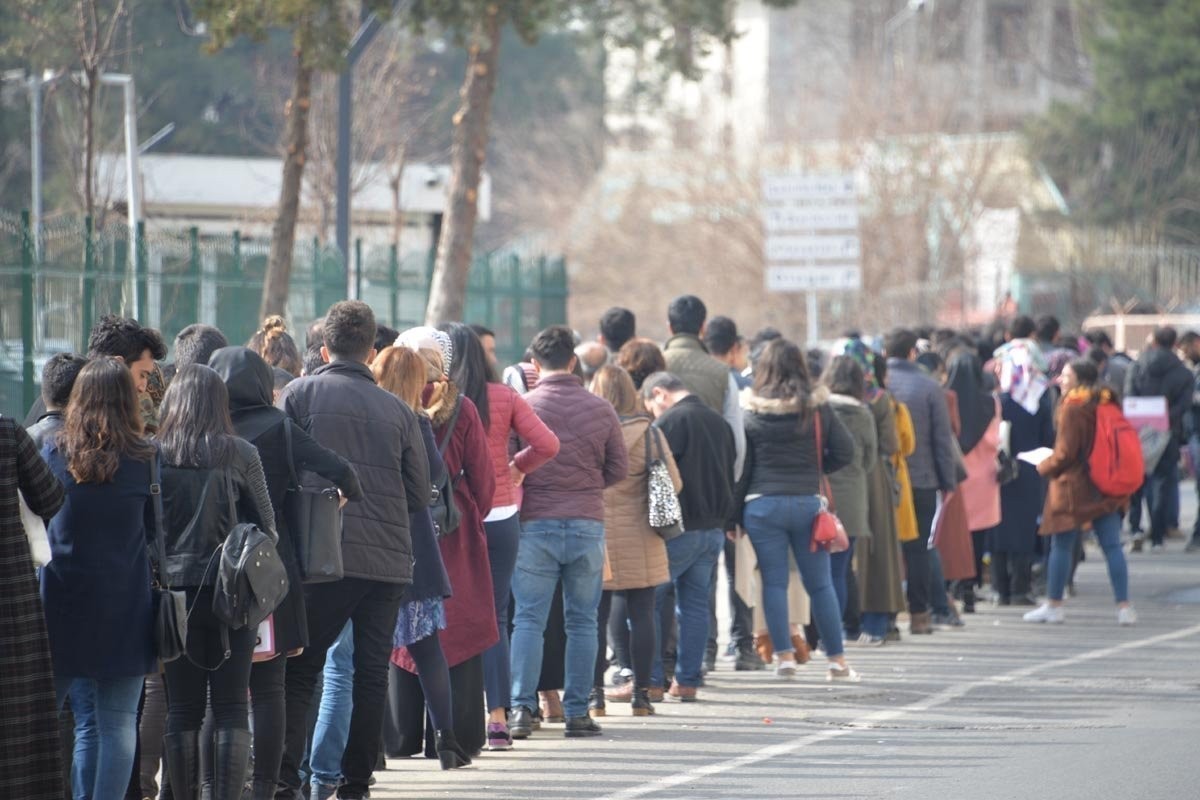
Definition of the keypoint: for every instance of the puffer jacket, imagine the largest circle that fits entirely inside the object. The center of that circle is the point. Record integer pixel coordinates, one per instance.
(343, 409)
(849, 484)
(932, 463)
(508, 413)
(591, 455)
(197, 515)
(636, 553)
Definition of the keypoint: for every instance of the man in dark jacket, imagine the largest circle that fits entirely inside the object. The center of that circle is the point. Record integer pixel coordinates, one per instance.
(1158, 372)
(931, 466)
(702, 445)
(343, 409)
(562, 533)
(58, 376)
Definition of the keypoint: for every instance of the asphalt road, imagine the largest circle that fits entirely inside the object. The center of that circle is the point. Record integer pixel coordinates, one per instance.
(1001, 709)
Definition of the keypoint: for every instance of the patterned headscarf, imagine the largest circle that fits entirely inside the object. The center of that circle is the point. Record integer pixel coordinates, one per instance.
(857, 349)
(426, 338)
(1023, 373)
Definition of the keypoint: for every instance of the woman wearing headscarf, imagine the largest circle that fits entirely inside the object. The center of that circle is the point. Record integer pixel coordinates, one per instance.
(1028, 407)
(979, 440)
(470, 612)
(878, 560)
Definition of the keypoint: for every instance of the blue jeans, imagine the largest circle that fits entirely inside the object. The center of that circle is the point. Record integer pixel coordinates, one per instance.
(1162, 496)
(839, 566)
(876, 623)
(692, 558)
(573, 550)
(1062, 556)
(105, 743)
(776, 523)
(337, 704)
(503, 541)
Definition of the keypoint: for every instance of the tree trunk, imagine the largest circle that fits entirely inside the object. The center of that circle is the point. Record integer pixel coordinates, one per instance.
(89, 144)
(283, 233)
(447, 294)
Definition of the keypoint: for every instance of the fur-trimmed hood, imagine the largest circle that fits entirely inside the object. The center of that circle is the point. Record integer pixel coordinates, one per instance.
(781, 406)
(844, 400)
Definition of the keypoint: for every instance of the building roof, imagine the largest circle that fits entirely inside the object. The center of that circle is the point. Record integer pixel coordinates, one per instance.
(189, 185)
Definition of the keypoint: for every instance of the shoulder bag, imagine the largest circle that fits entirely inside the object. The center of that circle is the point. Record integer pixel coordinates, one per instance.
(170, 605)
(446, 516)
(666, 515)
(314, 518)
(251, 578)
(827, 530)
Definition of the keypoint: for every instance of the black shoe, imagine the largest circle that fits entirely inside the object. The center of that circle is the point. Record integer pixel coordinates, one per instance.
(449, 753)
(520, 722)
(641, 703)
(1003, 600)
(596, 702)
(578, 727)
(748, 661)
(231, 757)
(181, 757)
(1025, 600)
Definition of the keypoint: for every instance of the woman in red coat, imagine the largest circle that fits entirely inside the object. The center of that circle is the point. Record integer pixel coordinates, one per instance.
(470, 611)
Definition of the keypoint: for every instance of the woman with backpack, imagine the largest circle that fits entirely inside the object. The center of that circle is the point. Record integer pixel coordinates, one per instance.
(1073, 501)
(211, 482)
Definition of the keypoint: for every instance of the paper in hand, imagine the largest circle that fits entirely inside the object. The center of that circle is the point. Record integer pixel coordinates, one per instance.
(1035, 457)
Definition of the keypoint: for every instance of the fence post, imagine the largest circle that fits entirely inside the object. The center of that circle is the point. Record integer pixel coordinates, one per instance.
(316, 277)
(27, 308)
(543, 312)
(489, 314)
(394, 284)
(140, 272)
(237, 252)
(358, 269)
(89, 282)
(517, 300)
(194, 276)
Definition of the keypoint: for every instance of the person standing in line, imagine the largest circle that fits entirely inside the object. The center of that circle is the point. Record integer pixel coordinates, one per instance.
(58, 378)
(847, 390)
(931, 466)
(779, 497)
(203, 463)
(1189, 346)
(250, 382)
(487, 339)
(1158, 372)
(382, 440)
(562, 533)
(641, 358)
(470, 614)
(617, 326)
(504, 413)
(276, 346)
(1073, 502)
(636, 552)
(29, 733)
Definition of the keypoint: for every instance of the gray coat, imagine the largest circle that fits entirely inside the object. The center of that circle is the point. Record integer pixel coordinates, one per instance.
(932, 464)
(849, 484)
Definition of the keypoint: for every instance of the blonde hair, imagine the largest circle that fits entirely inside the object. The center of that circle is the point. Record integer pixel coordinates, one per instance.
(614, 385)
(276, 346)
(402, 372)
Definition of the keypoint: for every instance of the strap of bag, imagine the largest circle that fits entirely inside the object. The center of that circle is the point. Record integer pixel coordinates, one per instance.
(450, 428)
(823, 488)
(646, 439)
(160, 542)
(287, 445)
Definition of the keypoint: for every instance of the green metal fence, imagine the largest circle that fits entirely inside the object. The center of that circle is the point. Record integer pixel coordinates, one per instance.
(52, 289)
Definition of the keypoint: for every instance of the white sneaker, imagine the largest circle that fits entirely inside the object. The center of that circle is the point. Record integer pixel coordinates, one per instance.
(1046, 613)
(842, 674)
(785, 670)
(1126, 616)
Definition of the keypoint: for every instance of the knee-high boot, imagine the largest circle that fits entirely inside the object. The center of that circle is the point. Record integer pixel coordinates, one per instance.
(181, 758)
(231, 756)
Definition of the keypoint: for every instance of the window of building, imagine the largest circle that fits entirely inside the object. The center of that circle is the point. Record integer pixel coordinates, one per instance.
(1008, 31)
(948, 30)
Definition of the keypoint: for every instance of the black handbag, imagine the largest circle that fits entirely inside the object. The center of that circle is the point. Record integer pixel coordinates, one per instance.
(251, 578)
(314, 518)
(446, 516)
(170, 605)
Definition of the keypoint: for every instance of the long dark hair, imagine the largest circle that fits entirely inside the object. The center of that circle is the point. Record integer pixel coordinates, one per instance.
(195, 429)
(844, 376)
(470, 369)
(781, 373)
(103, 422)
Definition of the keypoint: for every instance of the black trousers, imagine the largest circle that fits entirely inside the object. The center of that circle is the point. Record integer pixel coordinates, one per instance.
(416, 729)
(916, 553)
(269, 704)
(639, 605)
(372, 606)
(1012, 574)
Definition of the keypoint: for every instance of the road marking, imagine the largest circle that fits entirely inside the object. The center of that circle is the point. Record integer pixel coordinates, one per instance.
(943, 697)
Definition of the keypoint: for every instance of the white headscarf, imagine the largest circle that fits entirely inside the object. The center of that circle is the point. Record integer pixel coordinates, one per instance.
(425, 337)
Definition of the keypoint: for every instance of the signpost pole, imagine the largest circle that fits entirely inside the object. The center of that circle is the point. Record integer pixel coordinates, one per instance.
(814, 324)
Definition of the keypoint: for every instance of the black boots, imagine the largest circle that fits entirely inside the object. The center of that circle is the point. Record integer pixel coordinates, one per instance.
(596, 702)
(231, 755)
(181, 755)
(641, 701)
(449, 753)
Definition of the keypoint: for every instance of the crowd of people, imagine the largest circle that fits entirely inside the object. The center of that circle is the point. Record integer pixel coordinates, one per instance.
(525, 546)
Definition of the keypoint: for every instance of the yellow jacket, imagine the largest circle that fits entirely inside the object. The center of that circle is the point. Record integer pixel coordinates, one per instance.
(906, 512)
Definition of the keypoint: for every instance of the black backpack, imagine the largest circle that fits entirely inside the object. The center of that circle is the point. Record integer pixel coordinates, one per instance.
(446, 516)
(251, 578)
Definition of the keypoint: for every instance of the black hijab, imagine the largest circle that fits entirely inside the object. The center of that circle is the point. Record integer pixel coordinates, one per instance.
(976, 406)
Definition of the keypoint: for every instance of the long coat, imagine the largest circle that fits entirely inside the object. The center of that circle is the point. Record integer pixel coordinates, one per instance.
(878, 563)
(1072, 500)
(1021, 500)
(636, 553)
(952, 533)
(849, 484)
(906, 509)
(28, 717)
(981, 489)
(471, 610)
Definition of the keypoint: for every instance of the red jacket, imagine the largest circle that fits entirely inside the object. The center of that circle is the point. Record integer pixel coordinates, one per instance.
(508, 413)
(591, 455)
(471, 610)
